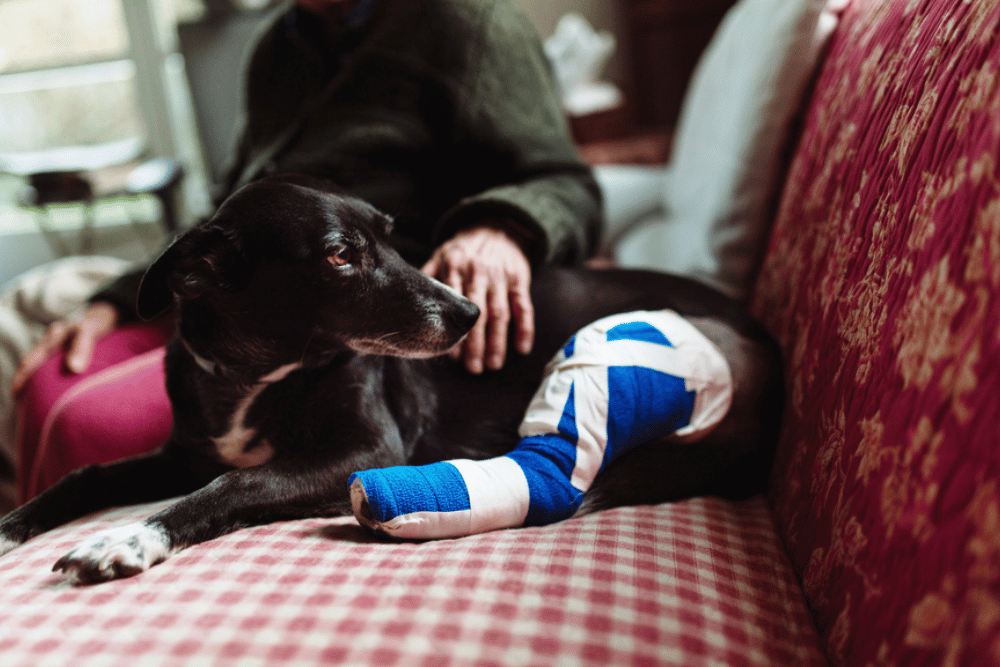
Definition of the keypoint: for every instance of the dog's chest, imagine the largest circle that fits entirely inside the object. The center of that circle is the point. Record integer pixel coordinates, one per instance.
(240, 446)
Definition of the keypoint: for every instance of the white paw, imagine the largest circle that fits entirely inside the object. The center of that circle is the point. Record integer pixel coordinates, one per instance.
(7, 545)
(116, 553)
(13, 532)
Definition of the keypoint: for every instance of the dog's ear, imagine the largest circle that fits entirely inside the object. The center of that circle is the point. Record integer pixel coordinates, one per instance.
(204, 258)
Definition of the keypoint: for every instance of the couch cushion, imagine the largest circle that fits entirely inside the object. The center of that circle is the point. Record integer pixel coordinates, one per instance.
(882, 282)
(693, 583)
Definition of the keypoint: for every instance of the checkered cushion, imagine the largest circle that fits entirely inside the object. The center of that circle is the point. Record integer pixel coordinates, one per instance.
(693, 583)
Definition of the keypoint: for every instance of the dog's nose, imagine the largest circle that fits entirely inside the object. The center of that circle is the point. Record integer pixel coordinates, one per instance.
(464, 315)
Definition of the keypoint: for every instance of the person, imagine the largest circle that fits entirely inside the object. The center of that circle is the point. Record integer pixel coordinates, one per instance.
(442, 113)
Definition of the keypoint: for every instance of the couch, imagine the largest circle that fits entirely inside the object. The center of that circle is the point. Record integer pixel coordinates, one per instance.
(877, 542)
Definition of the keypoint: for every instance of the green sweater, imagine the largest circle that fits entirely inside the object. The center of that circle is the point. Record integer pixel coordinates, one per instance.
(441, 113)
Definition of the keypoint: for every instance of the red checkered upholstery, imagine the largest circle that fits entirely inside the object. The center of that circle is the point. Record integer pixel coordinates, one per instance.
(703, 582)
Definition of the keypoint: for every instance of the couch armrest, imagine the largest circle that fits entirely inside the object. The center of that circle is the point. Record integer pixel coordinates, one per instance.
(633, 195)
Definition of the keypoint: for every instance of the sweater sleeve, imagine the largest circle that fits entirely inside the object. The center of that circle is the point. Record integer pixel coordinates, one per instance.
(512, 117)
(122, 292)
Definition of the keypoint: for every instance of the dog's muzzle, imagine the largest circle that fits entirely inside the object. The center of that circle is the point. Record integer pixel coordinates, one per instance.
(463, 316)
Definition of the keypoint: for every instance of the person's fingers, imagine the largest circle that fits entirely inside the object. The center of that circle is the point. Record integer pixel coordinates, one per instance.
(77, 337)
(498, 319)
(490, 269)
(55, 337)
(81, 346)
(452, 277)
(476, 289)
(98, 321)
(433, 265)
(523, 313)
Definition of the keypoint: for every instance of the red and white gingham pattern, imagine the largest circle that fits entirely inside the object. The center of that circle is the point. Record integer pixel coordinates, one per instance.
(703, 582)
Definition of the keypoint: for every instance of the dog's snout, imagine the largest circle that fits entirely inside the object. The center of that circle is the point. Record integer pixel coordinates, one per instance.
(463, 315)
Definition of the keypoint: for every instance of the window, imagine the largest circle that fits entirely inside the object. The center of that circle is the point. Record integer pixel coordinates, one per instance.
(66, 78)
(69, 89)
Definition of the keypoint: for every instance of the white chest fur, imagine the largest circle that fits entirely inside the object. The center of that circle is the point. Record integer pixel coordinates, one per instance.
(232, 446)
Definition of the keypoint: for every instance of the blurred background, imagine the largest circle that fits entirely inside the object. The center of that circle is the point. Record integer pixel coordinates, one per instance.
(90, 90)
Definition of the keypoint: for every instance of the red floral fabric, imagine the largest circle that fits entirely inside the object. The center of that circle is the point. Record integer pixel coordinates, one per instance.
(882, 283)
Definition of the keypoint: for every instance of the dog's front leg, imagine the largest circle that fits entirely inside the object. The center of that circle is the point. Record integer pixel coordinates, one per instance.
(236, 499)
(140, 479)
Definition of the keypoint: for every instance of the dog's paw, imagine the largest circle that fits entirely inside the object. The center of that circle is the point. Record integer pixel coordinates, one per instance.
(12, 534)
(7, 545)
(116, 554)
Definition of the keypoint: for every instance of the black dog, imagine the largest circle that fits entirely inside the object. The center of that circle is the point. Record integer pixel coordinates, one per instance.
(308, 349)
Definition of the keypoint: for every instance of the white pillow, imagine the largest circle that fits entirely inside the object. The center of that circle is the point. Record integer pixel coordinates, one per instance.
(633, 196)
(726, 163)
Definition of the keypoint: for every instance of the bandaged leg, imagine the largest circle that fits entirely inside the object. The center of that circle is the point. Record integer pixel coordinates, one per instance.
(620, 382)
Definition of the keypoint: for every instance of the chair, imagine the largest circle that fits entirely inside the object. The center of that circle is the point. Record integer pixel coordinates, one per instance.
(85, 175)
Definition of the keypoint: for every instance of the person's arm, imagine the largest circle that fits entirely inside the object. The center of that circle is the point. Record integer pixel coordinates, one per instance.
(121, 293)
(538, 203)
(513, 136)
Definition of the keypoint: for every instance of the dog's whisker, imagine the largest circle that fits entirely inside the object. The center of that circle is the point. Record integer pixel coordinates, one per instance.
(305, 348)
(383, 337)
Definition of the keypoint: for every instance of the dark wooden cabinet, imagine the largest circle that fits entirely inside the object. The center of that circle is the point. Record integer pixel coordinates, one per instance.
(664, 42)
(666, 38)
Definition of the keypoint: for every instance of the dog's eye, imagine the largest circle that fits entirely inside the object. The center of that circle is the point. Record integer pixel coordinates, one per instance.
(341, 256)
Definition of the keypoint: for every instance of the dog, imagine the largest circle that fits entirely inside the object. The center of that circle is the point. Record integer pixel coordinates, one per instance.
(307, 349)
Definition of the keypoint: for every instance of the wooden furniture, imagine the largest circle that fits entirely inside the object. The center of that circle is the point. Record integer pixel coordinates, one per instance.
(666, 39)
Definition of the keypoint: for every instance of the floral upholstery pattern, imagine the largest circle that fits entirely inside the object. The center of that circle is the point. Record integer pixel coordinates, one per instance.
(882, 282)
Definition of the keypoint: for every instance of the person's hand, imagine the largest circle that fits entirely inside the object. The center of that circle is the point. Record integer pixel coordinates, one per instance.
(488, 267)
(77, 336)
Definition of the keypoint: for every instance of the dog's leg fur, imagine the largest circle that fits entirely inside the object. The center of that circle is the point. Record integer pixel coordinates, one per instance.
(236, 499)
(154, 476)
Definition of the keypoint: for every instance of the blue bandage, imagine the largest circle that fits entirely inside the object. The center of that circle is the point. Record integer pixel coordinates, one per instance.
(618, 383)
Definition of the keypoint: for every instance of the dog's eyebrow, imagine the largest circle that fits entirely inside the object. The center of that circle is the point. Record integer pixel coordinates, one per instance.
(352, 237)
(335, 238)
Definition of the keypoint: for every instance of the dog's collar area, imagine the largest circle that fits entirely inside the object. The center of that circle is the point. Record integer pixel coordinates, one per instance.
(218, 370)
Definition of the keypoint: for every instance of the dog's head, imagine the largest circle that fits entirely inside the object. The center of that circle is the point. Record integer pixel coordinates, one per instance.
(290, 271)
